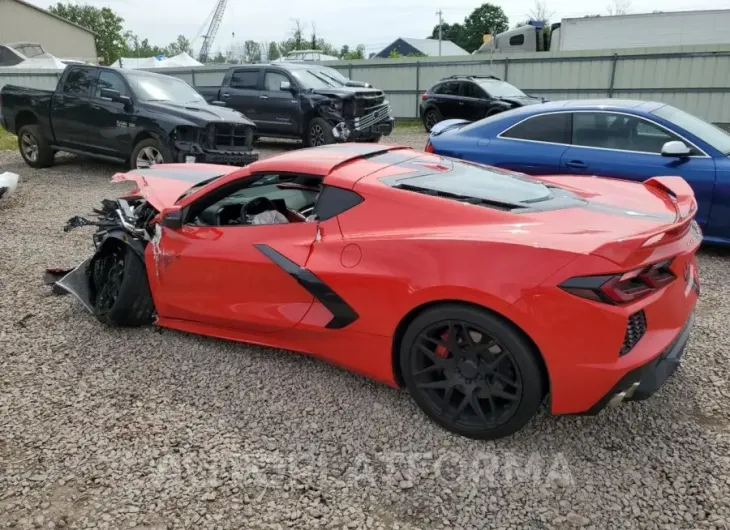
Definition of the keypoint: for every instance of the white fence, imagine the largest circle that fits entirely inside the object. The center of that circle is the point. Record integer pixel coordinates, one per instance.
(694, 78)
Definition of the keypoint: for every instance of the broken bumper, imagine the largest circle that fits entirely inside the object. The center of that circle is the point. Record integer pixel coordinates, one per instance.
(192, 152)
(379, 122)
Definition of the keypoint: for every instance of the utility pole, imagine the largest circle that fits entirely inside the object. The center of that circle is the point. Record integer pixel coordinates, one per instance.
(441, 23)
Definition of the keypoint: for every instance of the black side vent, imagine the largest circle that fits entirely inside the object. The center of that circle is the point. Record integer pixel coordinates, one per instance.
(635, 329)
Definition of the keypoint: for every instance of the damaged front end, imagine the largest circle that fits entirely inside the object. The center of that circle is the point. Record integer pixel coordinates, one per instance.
(358, 117)
(227, 143)
(112, 284)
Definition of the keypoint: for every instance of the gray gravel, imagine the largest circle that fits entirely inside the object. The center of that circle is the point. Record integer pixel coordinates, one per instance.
(148, 428)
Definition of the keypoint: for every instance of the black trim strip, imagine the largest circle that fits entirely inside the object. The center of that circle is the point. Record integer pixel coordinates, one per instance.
(343, 314)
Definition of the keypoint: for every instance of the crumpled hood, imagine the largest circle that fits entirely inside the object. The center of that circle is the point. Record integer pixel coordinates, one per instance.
(199, 113)
(348, 91)
(163, 184)
(522, 100)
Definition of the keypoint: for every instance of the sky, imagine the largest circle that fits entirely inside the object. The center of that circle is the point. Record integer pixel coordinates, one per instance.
(373, 23)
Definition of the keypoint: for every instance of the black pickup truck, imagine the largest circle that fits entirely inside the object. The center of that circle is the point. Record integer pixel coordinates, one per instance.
(303, 101)
(130, 116)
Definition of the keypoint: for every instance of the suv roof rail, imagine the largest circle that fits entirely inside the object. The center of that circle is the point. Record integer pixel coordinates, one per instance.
(471, 76)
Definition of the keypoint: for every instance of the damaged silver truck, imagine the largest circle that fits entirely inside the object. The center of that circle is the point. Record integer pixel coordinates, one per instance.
(303, 101)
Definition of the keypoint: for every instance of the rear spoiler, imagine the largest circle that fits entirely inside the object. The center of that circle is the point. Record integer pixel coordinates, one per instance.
(447, 125)
(680, 193)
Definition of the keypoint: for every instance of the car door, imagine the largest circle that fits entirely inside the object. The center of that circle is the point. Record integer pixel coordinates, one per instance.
(447, 96)
(612, 144)
(475, 101)
(279, 109)
(113, 121)
(243, 91)
(232, 276)
(533, 145)
(71, 108)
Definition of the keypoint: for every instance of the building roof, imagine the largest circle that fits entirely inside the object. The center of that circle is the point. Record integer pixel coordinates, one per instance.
(28, 4)
(431, 47)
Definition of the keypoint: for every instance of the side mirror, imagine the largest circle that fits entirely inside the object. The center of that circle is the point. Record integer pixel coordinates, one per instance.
(172, 218)
(285, 86)
(676, 149)
(115, 95)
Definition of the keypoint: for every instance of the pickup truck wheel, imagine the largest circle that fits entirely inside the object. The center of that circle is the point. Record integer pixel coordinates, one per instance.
(319, 132)
(34, 149)
(147, 153)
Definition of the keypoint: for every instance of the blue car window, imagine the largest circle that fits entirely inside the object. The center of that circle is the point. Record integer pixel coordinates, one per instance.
(619, 131)
(552, 128)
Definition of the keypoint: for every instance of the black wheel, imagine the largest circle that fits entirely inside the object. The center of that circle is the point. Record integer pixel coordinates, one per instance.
(148, 153)
(121, 290)
(319, 132)
(34, 148)
(471, 371)
(430, 118)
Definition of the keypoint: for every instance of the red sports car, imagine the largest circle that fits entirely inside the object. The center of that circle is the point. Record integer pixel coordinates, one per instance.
(480, 290)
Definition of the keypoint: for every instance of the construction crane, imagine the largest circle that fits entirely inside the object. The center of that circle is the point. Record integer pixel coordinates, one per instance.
(215, 21)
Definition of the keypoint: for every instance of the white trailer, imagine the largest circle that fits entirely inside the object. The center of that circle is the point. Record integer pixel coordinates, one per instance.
(647, 30)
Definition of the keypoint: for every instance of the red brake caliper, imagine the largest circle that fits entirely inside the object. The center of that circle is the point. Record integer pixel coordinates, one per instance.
(441, 350)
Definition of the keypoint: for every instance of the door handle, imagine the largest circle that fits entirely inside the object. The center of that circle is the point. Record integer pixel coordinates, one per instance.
(225, 96)
(461, 102)
(262, 96)
(576, 164)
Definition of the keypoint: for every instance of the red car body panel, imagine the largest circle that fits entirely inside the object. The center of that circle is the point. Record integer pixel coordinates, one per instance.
(398, 251)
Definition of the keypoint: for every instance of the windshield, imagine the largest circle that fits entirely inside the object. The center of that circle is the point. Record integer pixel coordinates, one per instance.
(706, 132)
(316, 78)
(500, 89)
(163, 88)
(476, 184)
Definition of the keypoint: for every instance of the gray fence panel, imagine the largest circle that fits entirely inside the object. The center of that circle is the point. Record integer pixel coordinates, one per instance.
(694, 78)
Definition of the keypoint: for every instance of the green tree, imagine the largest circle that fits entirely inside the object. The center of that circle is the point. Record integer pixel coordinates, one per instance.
(273, 52)
(251, 51)
(352, 55)
(181, 44)
(105, 23)
(219, 58)
(487, 18)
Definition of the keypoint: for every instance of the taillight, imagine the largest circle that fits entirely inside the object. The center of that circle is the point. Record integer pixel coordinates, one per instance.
(424, 96)
(621, 288)
(429, 147)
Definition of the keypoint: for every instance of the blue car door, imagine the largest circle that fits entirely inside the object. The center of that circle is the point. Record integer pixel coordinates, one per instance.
(533, 146)
(612, 144)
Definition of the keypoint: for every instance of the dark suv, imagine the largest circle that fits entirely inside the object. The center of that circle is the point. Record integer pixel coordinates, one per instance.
(470, 97)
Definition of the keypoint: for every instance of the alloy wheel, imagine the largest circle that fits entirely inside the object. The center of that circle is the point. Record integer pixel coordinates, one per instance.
(467, 377)
(431, 119)
(148, 157)
(112, 280)
(316, 135)
(29, 146)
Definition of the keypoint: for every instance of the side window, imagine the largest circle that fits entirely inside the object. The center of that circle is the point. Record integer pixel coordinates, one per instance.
(333, 201)
(620, 132)
(517, 40)
(112, 81)
(245, 79)
(447, 89)
(78, 82)
(472, 90)
(551, 128)
(273, 80)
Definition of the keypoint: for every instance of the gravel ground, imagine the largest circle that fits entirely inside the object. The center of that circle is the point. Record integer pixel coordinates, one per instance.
(148, 428)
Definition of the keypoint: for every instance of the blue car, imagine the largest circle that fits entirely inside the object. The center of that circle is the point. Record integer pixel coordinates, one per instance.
(633, 140)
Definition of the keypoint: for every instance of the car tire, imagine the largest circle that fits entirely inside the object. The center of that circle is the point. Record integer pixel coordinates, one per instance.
(148, 153)
(430, 118)
(34, 148)
(121, 291)
(319, 132)
(471, 371)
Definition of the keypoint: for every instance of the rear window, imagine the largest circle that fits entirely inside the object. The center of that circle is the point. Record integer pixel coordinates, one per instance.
(473, 184)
